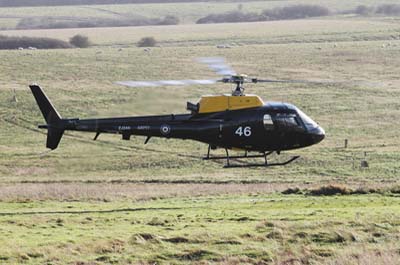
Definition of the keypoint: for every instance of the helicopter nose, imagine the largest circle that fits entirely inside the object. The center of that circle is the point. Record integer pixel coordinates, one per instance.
(317, 134)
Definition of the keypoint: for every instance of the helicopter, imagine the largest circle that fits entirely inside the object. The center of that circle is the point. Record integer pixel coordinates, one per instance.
(235, 121)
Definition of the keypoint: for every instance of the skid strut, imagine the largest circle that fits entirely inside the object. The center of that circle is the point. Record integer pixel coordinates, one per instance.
(246, 156)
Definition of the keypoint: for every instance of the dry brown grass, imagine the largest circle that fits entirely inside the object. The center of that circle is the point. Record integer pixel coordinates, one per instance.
(367, 257)
(105, 191)
(135, 191)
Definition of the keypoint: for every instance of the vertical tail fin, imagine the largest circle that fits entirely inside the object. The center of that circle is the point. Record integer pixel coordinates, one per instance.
(53, 137)
(55, 128)
(49, 113)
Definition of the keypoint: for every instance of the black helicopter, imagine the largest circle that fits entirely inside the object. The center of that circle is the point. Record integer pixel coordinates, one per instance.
(236, 121)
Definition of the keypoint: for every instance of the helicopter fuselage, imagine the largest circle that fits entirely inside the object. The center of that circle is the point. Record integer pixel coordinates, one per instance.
(272, 127)
(248, 124)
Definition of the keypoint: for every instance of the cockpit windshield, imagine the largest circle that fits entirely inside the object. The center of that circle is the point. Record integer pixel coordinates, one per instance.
(308, 122)
(288, 121)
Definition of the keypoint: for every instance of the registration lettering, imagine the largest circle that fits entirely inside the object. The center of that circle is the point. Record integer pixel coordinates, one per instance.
(143, 127)
(124, 128)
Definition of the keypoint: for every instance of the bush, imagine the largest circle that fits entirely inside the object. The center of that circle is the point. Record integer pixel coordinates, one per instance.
(363, 10)
(386, 9)
(290, 12)
(230, 17)
(7, 42)
(147, 42)
(296, 12)
(395, 189)
(80, 41)
(169, 20)
(389, 9)
(57, 23)
(292, 191)
(330, 190)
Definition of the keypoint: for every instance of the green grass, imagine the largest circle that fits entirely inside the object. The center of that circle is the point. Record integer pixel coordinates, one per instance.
(236, 34)
(161, 202)
(251, 229)
(80, 84)
(188, 13)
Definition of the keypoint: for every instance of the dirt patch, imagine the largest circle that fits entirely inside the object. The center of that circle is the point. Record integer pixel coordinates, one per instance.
(28, 171)
(194, 255)
(242, 219)
(113, 246)
(177, 239)
(228, 242)
(143, 238)
(276, 234)
(332, 237)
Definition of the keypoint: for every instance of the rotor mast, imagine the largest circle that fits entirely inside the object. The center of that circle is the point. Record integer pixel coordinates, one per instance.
(239, 91)
(239, 81)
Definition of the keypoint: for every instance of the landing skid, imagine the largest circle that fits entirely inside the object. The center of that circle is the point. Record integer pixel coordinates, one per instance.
(245, 156)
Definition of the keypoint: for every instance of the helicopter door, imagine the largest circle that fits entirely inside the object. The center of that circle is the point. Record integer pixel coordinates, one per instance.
(238, 133)
(268, 122)
(272, 138)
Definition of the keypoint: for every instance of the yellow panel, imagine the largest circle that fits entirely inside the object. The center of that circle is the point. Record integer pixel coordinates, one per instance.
(244, 102)
(227, 102)
(214, 104)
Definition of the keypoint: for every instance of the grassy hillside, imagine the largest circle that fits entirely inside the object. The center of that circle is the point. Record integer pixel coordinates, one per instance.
(255, 229)
(19, 3)
(188, 13)
(114, 201)
(276, 32)
(80, 82)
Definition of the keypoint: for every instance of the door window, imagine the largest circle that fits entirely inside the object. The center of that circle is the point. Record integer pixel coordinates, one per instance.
(288, 122)
(268, 123)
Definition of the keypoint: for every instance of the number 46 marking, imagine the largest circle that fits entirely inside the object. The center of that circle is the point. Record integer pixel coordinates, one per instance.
(246, 131)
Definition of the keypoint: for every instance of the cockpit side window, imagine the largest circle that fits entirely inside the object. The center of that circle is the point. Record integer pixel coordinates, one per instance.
(288, 121)
(268, 123)
(292, 121)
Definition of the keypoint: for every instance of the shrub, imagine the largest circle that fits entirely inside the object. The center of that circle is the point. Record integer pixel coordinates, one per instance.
(330, 190)
(289, 12)
(169, 20)
(7, 42)
(80, 41)
(395, 189)
(147, 42)
(292, 191)
(363, 10)
(389, 9)
(230, 17)
(57, 23)
(296, 12)
(332, 237)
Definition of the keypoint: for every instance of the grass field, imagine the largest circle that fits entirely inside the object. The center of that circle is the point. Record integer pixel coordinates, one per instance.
(277, 32)
(113, 201)
(229, 230)
(188, 13)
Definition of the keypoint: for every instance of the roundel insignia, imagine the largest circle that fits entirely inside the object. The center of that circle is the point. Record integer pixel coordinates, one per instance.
(165, 129)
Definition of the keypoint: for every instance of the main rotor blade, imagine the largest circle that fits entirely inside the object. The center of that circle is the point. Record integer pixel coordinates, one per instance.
(278, 81)
(255, 80)
(218, 65)
(166, 83)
